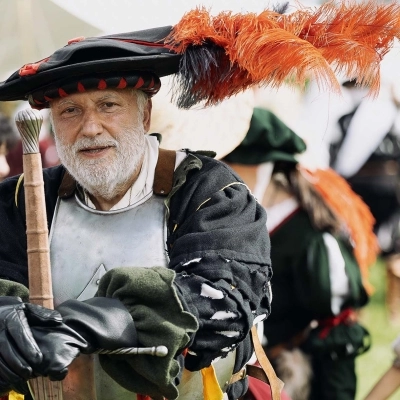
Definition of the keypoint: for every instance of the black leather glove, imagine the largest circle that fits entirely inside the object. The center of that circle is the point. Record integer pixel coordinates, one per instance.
(59, 344)
(33, 341)
(16, 356)
(86, 326)
(105, 323)
(36, 341)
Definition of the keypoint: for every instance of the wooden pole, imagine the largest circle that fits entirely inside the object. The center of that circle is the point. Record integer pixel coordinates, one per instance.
(39, 270)
(29, 123)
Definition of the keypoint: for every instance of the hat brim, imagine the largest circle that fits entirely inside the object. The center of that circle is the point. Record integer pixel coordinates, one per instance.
(125, 52)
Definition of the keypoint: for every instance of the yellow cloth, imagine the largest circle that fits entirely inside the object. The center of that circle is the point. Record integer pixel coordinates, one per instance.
(211, 389)
(15, 396)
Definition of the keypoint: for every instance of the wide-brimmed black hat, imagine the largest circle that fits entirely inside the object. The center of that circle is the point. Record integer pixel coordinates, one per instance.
(135, 59)
(268, 139)
(215, 57)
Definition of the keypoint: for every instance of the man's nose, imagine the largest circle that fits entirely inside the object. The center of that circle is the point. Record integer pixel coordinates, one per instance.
(91, 124)
(4, 167)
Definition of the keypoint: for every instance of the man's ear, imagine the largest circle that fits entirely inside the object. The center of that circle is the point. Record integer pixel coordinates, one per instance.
(147, 115)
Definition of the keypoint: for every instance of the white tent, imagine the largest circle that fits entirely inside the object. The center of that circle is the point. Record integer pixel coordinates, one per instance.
(132, 15)
(31, 30)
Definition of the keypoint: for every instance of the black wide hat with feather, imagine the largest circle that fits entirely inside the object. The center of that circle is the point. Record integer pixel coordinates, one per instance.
(215, 57)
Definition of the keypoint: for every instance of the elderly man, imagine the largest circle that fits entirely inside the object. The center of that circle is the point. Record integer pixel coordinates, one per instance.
(175, 236)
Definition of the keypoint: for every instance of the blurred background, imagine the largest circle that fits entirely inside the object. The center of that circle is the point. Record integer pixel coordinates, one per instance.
(356, 135)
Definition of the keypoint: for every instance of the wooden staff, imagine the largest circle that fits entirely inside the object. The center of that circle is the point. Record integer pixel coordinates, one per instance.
(29, 123)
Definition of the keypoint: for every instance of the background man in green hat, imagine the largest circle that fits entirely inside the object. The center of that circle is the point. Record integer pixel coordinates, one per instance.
(311, 337)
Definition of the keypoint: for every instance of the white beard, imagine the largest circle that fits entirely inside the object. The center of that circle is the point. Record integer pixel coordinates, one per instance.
(99, 177)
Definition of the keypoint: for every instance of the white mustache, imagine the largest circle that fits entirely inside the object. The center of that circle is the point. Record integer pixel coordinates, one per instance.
(85, 144)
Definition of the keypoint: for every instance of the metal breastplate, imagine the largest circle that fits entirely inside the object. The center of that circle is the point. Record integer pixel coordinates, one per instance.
(85, 244)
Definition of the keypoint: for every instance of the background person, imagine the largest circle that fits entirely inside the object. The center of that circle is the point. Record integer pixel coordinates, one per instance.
(312, 336)
(8, 140)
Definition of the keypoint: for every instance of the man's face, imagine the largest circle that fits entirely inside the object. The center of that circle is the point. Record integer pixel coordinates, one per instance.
(100, 138)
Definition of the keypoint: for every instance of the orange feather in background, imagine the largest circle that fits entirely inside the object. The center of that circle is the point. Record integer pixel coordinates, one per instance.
(353, 38)
(355, 214)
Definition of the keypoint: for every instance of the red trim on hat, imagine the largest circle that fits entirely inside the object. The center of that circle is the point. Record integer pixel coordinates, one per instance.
(62, 92)
(102, 84)
(76, 40)
(122, 83)
(48, 98)
(151, 86)
(139, 83)
(81, 88)
(31, 69)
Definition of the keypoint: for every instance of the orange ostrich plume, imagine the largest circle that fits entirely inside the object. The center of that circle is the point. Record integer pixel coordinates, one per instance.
(227, 53)
(354, 213)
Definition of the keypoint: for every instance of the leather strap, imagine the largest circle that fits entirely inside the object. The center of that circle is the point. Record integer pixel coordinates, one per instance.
(164, 174)
(265, 373)
(275, 383)
(238, 376)
(67, 187)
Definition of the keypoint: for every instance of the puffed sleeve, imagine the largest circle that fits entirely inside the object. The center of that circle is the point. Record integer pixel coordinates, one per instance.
(219, 248)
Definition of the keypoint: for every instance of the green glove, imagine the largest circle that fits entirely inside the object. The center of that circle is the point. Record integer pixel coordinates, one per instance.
(151, 299)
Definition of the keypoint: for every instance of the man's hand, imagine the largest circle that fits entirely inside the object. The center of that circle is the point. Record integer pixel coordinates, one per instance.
(33, 341)
(16, 356)
(36, 341)
(58, 343)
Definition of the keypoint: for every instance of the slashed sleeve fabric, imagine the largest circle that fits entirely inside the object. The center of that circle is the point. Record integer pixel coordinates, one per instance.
(219, 248)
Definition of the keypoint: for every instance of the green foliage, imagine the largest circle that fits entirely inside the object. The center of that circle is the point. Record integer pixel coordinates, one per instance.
(372, 365)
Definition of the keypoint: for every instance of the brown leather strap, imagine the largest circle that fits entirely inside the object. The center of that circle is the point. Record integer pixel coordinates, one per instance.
(238, 376)
(264, 373)
(268, 372)
(67, 187)
(164, 174)
(257, 372)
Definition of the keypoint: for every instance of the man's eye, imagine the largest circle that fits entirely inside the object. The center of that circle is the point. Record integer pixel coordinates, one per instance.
(69, 110)
(109, 104)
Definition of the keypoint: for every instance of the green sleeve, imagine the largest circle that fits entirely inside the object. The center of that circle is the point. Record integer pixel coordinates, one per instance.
(10, 288)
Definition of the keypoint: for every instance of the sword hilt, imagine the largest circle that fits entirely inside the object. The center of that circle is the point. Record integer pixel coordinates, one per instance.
(158, 351)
